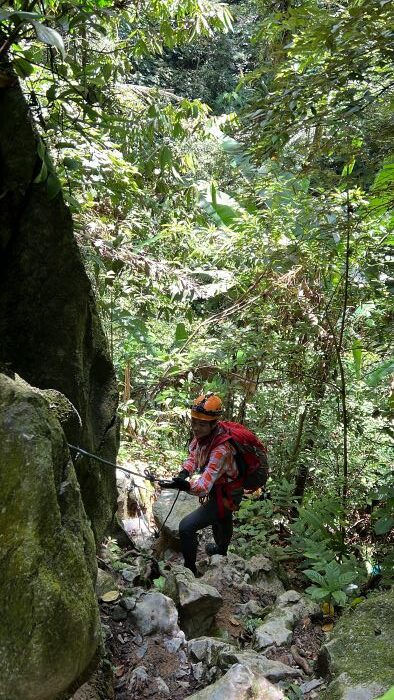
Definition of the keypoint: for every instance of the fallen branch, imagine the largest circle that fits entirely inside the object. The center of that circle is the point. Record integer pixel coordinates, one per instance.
(300, 661)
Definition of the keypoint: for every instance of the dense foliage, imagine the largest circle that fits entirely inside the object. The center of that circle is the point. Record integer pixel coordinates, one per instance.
(241, 243)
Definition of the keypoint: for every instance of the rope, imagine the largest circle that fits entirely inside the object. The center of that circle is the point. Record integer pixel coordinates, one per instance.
(147, 475)
(158, 532)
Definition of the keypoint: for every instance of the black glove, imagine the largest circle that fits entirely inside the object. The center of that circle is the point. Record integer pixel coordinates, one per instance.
(178, 484)
(181, 484)
(184, 474)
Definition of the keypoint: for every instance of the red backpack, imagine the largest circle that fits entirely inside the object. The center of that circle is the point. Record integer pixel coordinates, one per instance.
(251, 459)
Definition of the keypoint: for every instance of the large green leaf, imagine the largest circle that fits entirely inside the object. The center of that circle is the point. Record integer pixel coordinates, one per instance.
(357, 356)
(384, 525)
(219, 205)
(49, 36)
(384, 369)
(180, 332)
(382, 189)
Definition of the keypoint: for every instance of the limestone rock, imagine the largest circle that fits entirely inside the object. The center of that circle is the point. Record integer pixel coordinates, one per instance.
(239, 683)
(105, 582)
(207, 649)
(50, 633)
(235, 571)
(360, 652)
(275, 631)
(298, 604)
(50, 331)
(162, 686)
(218, 570)
(98, 687)
(137, 680)
(198, 602)
(277, 628)
(185, 504)
(251, 609)
(155, 613)
(258, 663)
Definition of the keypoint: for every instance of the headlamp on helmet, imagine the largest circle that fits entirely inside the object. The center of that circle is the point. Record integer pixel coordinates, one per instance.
(207, 407)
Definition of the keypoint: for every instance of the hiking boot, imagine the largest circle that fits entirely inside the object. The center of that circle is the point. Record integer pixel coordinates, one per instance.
(212, 549)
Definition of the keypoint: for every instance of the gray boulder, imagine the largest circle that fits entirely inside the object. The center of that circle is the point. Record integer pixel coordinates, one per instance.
(185, 504)
(262, 574)
(251, 609)
(239, 683)
(50, 631)
(274, 671)
(207, 649)
(359, 657)
(198, 602)
(344, 688)
(277, 628)
(232, 570)
(155, 613)
(50, 330)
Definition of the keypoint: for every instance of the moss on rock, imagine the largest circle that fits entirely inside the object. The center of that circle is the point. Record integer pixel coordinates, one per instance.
(50, 330)
(50, 631)
(360, 653)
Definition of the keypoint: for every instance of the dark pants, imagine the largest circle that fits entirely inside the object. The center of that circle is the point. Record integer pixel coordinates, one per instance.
(206, 514)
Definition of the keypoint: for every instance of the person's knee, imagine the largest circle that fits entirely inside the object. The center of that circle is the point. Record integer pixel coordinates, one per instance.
(186, 528)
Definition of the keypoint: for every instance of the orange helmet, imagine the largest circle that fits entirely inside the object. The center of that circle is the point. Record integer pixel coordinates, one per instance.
(207, 407)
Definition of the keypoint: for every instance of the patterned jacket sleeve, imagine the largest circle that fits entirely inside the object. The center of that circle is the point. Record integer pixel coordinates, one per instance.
(221, 461)
(190, 463)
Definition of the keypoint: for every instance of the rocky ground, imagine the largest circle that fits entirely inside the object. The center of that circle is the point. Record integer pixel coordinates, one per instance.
(151, 655)
(233, 632)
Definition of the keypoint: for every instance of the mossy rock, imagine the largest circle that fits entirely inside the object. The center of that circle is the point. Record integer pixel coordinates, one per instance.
(50, 330)
(359, 657)
(50, 631)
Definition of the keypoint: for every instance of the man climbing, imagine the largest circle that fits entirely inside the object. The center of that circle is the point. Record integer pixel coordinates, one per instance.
(214, 455)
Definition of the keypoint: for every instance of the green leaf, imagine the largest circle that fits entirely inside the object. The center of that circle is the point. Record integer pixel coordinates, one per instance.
(43, 174)
(51, 93)
(384, 525)
(165, 157)
(382, 370)
(181, 332)
(53, 186)
(314, 576)
(213, 194)
(346, 578)
(71, 163)
(339, 597)
(333, 571)
(318, 593)
(347, 169)
(23, 67)
(27, 16)
(223, 208)
(49, 36)
(159, 583)
(357, 357)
